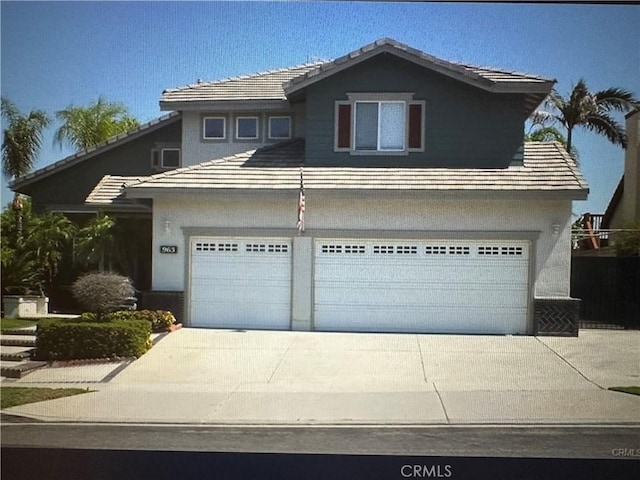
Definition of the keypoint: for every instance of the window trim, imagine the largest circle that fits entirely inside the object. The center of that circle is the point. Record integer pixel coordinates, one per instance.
(378, 97)
(157, 150)
(161, 159)
(271, 137)
(247, 117)
(224, 127)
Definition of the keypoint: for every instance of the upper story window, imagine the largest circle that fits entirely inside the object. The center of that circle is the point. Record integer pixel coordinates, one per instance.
(247, 128)
(279, 128)
(214, 128)
(165, 156)
(379, 124)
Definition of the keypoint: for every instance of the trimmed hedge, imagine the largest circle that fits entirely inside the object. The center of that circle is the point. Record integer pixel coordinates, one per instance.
(77, 339)
(160, 320)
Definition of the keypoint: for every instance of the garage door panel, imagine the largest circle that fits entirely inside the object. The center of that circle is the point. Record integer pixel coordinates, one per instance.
(231, 317)
(434, 320)
(460, 296)
(444, 286)
(424, 273)
(240, 283)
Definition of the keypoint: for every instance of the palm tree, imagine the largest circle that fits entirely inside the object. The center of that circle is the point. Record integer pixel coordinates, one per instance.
(591, 110)
(20, 145)
(85, 127)
(49, 234)
(95, 242)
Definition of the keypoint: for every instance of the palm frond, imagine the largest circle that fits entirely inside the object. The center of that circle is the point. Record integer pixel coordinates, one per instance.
(608, 127)
(616, 99)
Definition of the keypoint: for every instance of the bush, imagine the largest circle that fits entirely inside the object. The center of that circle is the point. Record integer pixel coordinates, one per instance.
(161, 320)
(73, 339)
(100, 293)
(627, 242)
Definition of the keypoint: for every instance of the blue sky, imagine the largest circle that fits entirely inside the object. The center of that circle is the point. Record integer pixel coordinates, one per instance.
(55, 54)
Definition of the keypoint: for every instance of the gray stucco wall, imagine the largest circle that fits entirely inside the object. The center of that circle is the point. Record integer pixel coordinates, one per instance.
(71, 186)
(195, 149)
(465, 126)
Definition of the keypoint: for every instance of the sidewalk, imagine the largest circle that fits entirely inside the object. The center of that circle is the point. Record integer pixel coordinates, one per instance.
(222, 377)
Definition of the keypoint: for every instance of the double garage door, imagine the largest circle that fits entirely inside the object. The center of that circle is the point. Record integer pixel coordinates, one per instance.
(364, 285)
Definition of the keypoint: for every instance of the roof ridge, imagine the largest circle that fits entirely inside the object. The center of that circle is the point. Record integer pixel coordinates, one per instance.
(457, 68)
(245, 76)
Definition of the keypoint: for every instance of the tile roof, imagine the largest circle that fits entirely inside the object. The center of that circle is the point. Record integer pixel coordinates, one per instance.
(109, 191)
(491, 79)
(259, 86)
(83, 155)
(279, 84)
(547, 167)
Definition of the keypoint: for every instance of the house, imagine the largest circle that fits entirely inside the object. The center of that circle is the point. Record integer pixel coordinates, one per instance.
(624, 207)
(423, 208)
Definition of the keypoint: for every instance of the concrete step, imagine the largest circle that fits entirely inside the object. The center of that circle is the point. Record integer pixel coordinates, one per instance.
(18, 340)
(15, 354)
(19, 369)
(21, 331)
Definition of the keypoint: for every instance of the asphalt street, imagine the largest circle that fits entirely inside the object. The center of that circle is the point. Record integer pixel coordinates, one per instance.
(622, 443)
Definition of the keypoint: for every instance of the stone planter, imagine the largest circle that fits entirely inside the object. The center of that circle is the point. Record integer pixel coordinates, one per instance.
(25, 306)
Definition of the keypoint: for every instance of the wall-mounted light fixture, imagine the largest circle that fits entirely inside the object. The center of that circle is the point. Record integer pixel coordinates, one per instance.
(167, 226)
(555, 228)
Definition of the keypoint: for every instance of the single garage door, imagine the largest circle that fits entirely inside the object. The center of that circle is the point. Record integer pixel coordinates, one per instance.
(240, 283)
(421, 286)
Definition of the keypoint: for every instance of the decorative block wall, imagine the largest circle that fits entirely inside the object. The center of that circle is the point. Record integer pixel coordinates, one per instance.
(556, 316)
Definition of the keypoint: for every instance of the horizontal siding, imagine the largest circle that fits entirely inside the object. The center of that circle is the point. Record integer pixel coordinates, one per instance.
(465, 126)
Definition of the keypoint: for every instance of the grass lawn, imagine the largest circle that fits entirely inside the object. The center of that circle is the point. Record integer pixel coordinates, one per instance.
(631, 390)
(14, 396)
(7, 323)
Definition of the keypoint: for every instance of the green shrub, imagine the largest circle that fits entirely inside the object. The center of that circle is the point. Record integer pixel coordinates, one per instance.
(627, 242)
(73, 339)
(161, 320)
(101, 293)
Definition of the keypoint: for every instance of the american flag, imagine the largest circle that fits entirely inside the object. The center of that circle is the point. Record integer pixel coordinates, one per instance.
(301, 202)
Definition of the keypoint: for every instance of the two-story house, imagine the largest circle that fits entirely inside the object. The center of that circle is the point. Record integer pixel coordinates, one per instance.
(424, 210)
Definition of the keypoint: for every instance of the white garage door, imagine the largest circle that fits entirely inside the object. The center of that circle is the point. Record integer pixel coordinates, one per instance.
(240, 283)
(421, 286)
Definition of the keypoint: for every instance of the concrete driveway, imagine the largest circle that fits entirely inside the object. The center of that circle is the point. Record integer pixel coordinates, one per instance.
(265, 377)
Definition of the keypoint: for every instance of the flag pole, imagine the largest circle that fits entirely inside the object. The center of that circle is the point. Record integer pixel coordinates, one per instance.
(301, 204)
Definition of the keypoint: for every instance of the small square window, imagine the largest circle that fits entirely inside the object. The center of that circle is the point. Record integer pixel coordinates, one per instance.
(170, 157)
(280, 127)
(214, 127)
(247, 127)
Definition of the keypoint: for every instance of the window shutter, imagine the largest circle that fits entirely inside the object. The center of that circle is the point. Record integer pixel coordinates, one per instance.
(415, 126)
(344, 126)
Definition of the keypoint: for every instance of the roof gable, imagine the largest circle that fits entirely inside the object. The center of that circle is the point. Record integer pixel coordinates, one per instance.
(486, 78)
(87, 154)
(489, 79)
